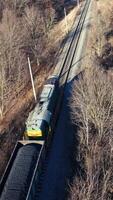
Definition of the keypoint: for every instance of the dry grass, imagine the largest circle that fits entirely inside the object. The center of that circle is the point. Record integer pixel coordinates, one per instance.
(106, 8)
(97, 43)
(59, 32)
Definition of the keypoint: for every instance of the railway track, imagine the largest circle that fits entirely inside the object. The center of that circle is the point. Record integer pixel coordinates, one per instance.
(63, 77)
(43, 159)
(67, 63)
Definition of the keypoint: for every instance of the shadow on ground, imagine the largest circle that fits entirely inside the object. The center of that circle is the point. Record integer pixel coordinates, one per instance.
(62, 164)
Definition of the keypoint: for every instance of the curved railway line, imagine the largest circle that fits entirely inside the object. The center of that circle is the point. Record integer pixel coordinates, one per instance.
(31, 187)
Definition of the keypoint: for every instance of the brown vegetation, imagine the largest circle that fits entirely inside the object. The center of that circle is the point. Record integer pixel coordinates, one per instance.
(105, 15)
(20, 37)
(92, 105)
(92, 111)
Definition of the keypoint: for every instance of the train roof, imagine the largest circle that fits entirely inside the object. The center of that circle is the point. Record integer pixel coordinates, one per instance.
(41, 110)
(46, 92)
(52, 80)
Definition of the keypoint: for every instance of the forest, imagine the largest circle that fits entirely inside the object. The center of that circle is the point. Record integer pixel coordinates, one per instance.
(24, 32)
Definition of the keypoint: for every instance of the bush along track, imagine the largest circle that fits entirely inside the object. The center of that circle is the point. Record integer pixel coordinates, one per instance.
(92, 109)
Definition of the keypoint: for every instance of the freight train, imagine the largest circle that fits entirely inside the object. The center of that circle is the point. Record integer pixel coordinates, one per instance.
(25, 161)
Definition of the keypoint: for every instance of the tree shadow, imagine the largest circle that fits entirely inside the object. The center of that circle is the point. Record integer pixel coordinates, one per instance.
(59, 6)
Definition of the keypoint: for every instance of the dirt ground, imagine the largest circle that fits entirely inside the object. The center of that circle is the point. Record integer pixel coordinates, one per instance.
(13, 122)
(100, 39)
(105, 43)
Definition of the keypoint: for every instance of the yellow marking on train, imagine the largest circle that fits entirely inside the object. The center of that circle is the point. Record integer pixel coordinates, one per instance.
(34, 133)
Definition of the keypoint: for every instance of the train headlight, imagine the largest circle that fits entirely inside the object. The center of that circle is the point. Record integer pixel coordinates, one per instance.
(34, 133)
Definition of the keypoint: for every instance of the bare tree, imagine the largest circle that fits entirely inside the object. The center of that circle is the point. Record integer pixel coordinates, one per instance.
(35, 31)
(92, 108)
(12, 57)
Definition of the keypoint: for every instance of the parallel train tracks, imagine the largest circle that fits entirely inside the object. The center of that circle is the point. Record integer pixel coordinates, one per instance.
(68, 60)
(41, 165)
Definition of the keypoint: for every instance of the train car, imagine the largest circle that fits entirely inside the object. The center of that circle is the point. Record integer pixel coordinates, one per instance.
(17, 178)
(39, 121)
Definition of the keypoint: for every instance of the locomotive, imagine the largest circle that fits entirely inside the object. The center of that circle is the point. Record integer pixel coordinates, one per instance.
(39, 121)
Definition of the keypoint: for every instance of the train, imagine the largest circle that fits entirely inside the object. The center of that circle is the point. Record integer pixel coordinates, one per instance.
(25, 161)
(39, 121)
